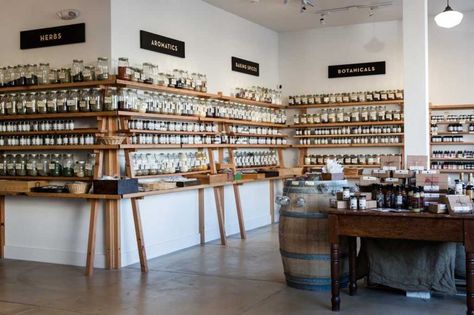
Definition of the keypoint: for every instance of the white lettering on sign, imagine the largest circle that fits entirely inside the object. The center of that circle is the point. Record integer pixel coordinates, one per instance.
(356, 70)
(48, 37)
(245, 67)
(160, 44)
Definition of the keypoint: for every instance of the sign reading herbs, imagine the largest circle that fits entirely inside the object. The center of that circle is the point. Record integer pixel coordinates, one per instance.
(245, 66)
(162, 44)
(356, 69)
(53, 36)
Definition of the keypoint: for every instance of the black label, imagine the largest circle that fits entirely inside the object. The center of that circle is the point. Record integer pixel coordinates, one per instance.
(356, 69)
(162, 44)
(245, 66)
(53, 36)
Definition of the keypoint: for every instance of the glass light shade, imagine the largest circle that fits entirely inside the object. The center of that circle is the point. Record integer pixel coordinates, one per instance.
(448, 18)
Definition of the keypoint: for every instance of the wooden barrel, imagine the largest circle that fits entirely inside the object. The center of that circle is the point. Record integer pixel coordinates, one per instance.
(303, 235)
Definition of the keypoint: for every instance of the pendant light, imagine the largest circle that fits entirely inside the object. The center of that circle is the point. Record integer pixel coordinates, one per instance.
(448, 18)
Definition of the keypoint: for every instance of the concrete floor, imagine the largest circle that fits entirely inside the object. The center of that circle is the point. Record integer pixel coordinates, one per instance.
(244, 278)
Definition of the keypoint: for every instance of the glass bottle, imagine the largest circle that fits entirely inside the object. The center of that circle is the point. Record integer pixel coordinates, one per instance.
(53, 76)
(90, 165)
(31, 103)
(84, 98)
(21, 104)
(43, 73)
(64, 75)
(3, 165)
(79, 169)
(89, 73)
(102, 69)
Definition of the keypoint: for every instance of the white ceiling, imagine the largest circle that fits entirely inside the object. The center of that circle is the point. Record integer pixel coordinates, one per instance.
(274, 14)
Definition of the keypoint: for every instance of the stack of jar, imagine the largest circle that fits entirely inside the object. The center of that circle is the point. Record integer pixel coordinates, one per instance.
(346, 159)
(149, 73)
(259, 94)
(372, 96)
(440, 139)
(452, 166)
(453, 154)
(53, 165)
(145, 164)
(244, 159)
(356, 114)
(352, 140)
(63, 101)
(351, 130)
(253, 130)
(32, 74)
(171, 126)
(257, 140)
(44, 125)
(67, 139)
(452, 118)
(151, 139)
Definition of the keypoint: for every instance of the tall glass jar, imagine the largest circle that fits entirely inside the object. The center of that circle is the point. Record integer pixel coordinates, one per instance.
(21, 104)
(61, 101)
(20, 165)
(55, 166)
(10, 104)
(43, 165)
(90, 165)
(43, 73)
(53, 76)
(102, 69)
(80, 169)
(73, 101)
(95, 100)
(3, 165)
(64, 75)
(10, 165)
(41, 103)
(89, 73)
(32, 165)
(111, 99)
(77, 70)
(51, 103)
(31, 76)
(68, 165)
(31, 103)
(84, 98)
(123, 71)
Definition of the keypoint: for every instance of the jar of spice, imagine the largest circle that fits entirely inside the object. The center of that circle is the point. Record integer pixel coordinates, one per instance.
(102, 70)
(21, 104)
(51, 103)
(53, 76)
(111, 99)
(43, 73)
(123, 69)
(43, 165)
(31, 103)
(79, 169)
(61, 101)
(20, 165)
(31, 165)
(90, 164)
(10, 104)
(95, 100)
(84, 98)
(41, 103)
(73, 101)
(64, 75)
(55, 168)
(10, 165)
(89, 73)
(77, 70)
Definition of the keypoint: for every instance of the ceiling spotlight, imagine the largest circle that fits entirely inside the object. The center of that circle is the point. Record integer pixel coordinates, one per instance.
(68, 14)
(448, 18)
(322, 20)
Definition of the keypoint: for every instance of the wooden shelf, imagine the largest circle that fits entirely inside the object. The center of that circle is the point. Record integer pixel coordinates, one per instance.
(172, 174)
(257, 168)
(165, 89)
(346, 124)
(241, 122)
(150, 146)
(249, 102)
(351, 135)
(52, 132)
(51, 178)
(352, 104)
(58, 115)
(59, 86)
(452, 107)
(447, 133)
(59, 147)
(123, 113)
(190, 146)
(73, 196)
(204, 133)
(345, 166)
(452, 159)
(452, 143)
(446, 122)
(347, 145)
(257, 135)
(456, 171)
(257, 146)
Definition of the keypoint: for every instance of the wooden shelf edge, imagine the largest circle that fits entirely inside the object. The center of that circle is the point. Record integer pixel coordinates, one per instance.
(451, 106)
(50, 178)
(110, 81)
(354, 104)
(58, 115)
(172, 174)
(59, 147)
(347, 124)
(346, 145)
(349, 135)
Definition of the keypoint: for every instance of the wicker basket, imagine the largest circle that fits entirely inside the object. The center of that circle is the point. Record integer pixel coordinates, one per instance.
(111, 140)
(78, 188)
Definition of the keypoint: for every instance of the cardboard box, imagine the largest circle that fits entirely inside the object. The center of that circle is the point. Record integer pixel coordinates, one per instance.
(417, 162)
(339, 204)
(392, 162)
(20, 185)
(368, 181)
(458, 204)
(403, 174)
(437, 181)
(331, 176)
(296, 171)
(211, 178)
(381, 173)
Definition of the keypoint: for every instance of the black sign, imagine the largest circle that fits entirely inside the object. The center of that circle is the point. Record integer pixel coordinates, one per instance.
(161, 44)
(245, 66)
(53, 36)
(356, 69)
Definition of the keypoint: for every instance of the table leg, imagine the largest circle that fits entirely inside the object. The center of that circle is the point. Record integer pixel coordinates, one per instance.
(139, 233)
(220, 216)
(202, 225)
(352, 265)
(91, 240)
(271, 184)
(335, 299)
(470, 282)
(2, 227)
(240, 215)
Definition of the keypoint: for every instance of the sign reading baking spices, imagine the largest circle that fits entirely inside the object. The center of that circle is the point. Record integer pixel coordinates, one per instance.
(245, 66)
(53, 36)
(162, 44)
(356, 69)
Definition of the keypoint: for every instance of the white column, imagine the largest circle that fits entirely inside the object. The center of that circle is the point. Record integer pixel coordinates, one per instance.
(415, 57)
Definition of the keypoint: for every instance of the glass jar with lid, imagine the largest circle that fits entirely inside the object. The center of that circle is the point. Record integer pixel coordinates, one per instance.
(61, 101)
(102, 69)
(84, 98)
(389, 115)
(2, 77)
(89, 73)
(64, 75)
(31, 165)
(77, 71)
(3, 100)
(381, 113)
(55, 167)
(324, 116)
(10, 164)
(111, 99)
(3, 165)
(31, 74)
(346, 97)
(79, 169)
(397, 115)
(20, 165)
(51, 103)
(399, 95)
(376, 96)
(332, 115)
(41, 103)
(383, 95)
(31, 103)
(364, 114)
(354, 97)
(95, 100)
(20, 73)
(10, 104)
(123, 70)
(340, 115)
(21, 104)
(53, 76)
(332, 98)
(42, 73)
(338, 97)
(90, 165)
(43, 165)
(373, 113)
(72, 101)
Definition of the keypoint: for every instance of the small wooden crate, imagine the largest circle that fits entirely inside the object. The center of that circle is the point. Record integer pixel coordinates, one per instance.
(212, 178)
(253, 176)
(20, 185)
(296, 171)
(351, 172)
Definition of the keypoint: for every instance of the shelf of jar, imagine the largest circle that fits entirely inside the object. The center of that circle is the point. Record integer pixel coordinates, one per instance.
(346, 124)
(237, 134)
(58, 147)
(452, 106)
(446, 122)
(455, 171)
(353, 104)
(51, 132)
(452, 143)
(257, 168)
(347, 145)
(452, 133)
(72, 85)
(235, 146)
(194, 133)
(249, 102)
(165, 89)
(451, 159)
(350, 135)
(346, 166)
(150, 146)
(58, 115)
(50, 178)
(124, 113)
(241, 122)
(172, 174)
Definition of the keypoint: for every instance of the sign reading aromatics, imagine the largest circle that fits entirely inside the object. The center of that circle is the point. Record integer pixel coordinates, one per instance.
(245, 66)
(162, 44)
(356, 69)
(53, 36)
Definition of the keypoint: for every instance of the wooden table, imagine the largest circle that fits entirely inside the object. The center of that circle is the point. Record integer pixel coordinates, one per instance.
(409, 226)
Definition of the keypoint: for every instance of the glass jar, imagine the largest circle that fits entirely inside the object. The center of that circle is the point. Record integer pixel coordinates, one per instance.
(84, 98)
(95, 100)
(31, 76)
(20, 165)
(77, 71)
(31, 103)
(55, 167)
(10, 104)
(53, 76)
(111, 99)
(61, 101)
(43, 73)
(32, 165)
(10, 165)
(51, 103)
(90, 165)
(20, 75)
(123, 71)
(364, 114)
(73, 101)
(41, 103)
(43, 165)
(102, 70)
(79, 169)
(64, 75)
(21, 104)
(89, 73)
(3, 165)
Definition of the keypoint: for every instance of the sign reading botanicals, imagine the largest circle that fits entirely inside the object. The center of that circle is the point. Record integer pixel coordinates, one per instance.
(53, 36)
(162, 44)
(356, 69)
(245, 66)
